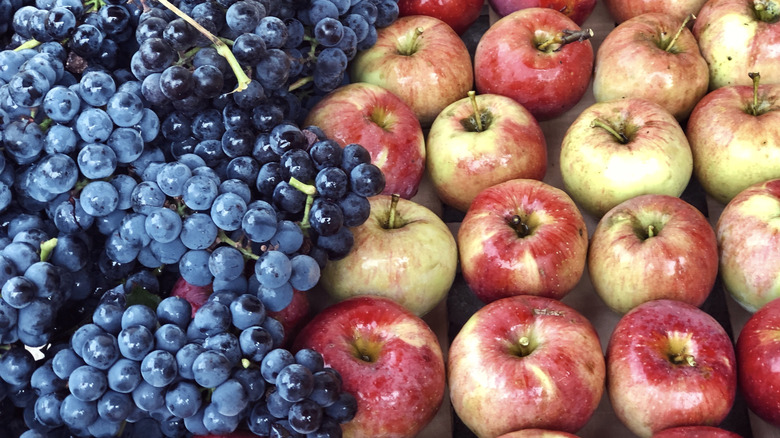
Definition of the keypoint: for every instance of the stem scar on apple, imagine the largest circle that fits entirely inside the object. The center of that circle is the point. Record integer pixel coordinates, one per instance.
(767, 11)
(562, 38)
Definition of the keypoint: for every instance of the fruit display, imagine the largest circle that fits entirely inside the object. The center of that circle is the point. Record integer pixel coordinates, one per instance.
(388, 218)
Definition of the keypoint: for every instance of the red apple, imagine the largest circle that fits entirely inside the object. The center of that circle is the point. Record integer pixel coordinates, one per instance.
(616, 150)
(622, 10)
(695, 432)
(652, 247)
(577, 10)
(522, 237)
(195, 295)
(670, 364)
(404, 252)
(749, 245)
(734, 133)
(294, 316)
(464, 157)
(537, 56)
(758, 356)
(737, 37)
(381, 122)
(525, 362)
(458, 14)
(421, 60)
(537, 433)
(389, 359)
(652, 56)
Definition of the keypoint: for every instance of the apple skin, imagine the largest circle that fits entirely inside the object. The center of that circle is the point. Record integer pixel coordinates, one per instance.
(732, 148)
(758, 356)
(577, 10)
(428, 72)
(695, 432)
(497, 385)
(600, 172)
(651, 383)
(497, 262)
(734, 41)
(462, 161)
(458, 14)
(627, 267)
(294, 316)
(749, 245)
(381, 122)
(632, 61)
(546, 82)
(622, 10)
(195, 295)
(537, 433)
(400, 390)
(413, 263)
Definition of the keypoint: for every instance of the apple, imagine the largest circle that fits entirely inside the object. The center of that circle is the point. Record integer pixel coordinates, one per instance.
(525, 362)
(670, 364)
(537, 56)
(537, 433)
(294, 316)
(737, 37)
(749, 245)
(758, 356)
(622, 10)
(388, 358)
(380, 121)
(653, 56)
(466, 154)
(421, 60)
(695, 432)
(577, 10)
(734, 134)
(195, 295)
(458, 14)
(403, 252)
(522, 237)
(652, 247)
(623, 148)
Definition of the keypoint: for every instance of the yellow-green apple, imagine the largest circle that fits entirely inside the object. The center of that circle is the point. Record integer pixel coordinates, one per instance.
(522, 237)
(525, 362)
(577, 10)
(758, 356)
(380, 121)
(623, 148)
(537, 433)
(749, 245)
(695, 432)
(458, 14)
(421, 60)
(404, 252)
(734, 134)
(737, 37)
(653, 56)
(537, 56)
(670, 364)
(652, 247)
(388, 358)
(466, 154)
(622, 10)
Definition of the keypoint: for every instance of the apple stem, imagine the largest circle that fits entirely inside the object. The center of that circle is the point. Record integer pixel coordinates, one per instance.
(393, 207)
(620, 136)
(222, 48)
(411, 46)
(766, 10)
(477, 113)
(520, 227)
(679, 31)
(564, 37)
(679, 359)
(650, 231)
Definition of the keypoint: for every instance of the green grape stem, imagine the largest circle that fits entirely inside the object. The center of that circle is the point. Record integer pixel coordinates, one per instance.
(29, 44)
(47, 247)
(247, 253)
(310, 192)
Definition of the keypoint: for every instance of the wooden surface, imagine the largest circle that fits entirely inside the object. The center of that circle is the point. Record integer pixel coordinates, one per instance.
(449, 316)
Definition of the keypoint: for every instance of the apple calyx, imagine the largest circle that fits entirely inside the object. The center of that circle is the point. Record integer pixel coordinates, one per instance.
(767, 11)
(393, 221)
(758, 106)
(409, 45)
(670, 45)
(562, 38)
(365, 350)
(480, 120)
(619, 134)
(677, 352)
(521, 227)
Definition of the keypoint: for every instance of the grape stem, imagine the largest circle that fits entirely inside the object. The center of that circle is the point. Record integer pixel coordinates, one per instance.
(222, 48)
(222, 237)
(29, 44)
(310, 192)
(47, 247)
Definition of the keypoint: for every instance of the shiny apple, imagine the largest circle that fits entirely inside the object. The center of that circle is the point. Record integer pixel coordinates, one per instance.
(695, 432)
(577, 10)
(458, 14)
(537, 433)
(622, 10)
